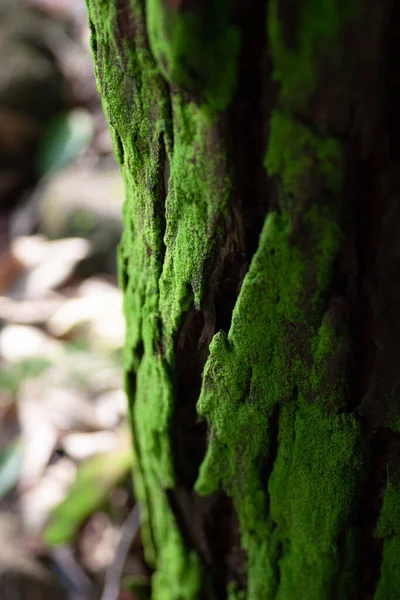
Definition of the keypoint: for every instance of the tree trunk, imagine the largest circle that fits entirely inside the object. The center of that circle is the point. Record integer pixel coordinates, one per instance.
(260, 145)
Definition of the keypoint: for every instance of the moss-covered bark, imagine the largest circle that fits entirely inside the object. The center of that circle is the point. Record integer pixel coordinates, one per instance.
(259, 143)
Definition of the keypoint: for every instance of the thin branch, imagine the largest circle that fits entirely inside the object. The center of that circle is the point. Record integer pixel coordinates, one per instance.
(114, 572)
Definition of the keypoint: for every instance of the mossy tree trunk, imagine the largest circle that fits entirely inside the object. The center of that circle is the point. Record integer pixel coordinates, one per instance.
(260, 145)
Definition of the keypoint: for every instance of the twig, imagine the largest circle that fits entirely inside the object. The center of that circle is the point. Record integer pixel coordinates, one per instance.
(72, 575)
(114, 572)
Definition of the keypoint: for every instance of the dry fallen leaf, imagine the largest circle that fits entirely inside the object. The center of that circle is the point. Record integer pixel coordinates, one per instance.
(83, 445)
(37, 501)
(110, 407)
(18, 342)
(96, 315)
(47, 264)
(29, 312)
(39, 435)
(36, 250)
(97, 542)
(10, 269)
(46, 412)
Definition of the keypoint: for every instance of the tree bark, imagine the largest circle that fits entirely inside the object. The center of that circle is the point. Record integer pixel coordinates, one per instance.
(259, 143)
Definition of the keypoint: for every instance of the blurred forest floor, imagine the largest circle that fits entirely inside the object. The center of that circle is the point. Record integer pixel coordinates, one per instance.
(68, 521)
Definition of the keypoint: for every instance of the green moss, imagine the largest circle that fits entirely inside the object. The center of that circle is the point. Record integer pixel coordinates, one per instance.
(388, 529)
(176, 201)
(233, 593)
(327, 379)
(196, 49)
(195, 210)
(136, 104)
(346, 585)
(281, 352)
(389, 519)
(295, 153)
(311, 489)
(317, 38)
(266, 358)
(285, 352)
(389, 582)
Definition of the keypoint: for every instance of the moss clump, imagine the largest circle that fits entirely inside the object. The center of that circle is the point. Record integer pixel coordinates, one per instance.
(346, 584)
(176, 200)
(327, 379)
(389, 582)
(278, 347)
(196, 49)
(268, 357)
(311, 490)
(233, 593)
(137, 106)
(195, 209)
(285, 351)
(388, 529)
(316, 39)
(389, 519)
(295, 153)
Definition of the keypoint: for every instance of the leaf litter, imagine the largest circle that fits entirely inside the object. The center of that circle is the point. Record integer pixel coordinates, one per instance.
(67, 507)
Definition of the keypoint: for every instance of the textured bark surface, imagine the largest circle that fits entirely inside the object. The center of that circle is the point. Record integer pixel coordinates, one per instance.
(259, 142)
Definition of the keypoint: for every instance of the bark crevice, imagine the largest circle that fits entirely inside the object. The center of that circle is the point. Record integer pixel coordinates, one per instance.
(244, 130)
(372, 191)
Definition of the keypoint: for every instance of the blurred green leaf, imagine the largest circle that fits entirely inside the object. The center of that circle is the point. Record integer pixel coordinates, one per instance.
(95, 479)
(10, 467)
(12, 376)
(65, 137)
(33, 367)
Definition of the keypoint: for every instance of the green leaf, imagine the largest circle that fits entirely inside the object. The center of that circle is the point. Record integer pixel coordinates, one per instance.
(95, 479)
(10, 467)
(12, 376)
(65, 137)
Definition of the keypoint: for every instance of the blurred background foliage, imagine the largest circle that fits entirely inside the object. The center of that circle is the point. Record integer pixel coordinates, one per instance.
(68, 521)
